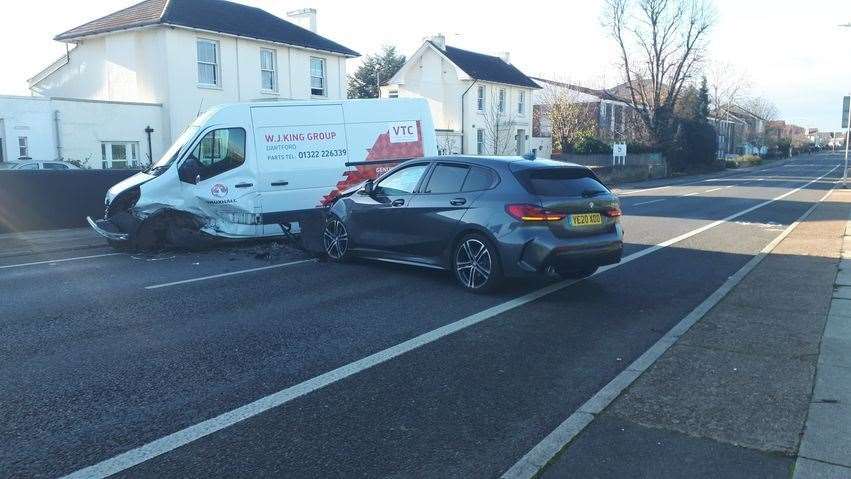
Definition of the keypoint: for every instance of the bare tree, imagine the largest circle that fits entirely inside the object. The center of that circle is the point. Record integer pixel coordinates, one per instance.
(727, 86)
(499, 129)
(568, 116)
(661, 45)
(449, 145)
(761, 107)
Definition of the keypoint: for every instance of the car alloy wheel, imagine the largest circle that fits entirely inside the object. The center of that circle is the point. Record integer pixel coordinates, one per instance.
(474, 264)
(336, 239)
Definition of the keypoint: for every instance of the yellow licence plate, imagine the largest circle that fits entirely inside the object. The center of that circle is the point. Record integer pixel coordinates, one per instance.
(586, 219)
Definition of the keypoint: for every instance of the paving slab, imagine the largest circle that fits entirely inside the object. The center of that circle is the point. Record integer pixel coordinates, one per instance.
(828, 434)
(809, 469)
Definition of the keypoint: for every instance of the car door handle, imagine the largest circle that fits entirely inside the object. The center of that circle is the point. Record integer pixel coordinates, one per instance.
(280, 183)
(458, 202)
(399, 202)
(244, 185)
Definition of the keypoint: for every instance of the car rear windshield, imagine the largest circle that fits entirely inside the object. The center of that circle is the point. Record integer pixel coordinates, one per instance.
(560, 182)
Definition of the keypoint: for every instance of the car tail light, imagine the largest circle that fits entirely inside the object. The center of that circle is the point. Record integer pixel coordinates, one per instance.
(613, 212)
(533, 213)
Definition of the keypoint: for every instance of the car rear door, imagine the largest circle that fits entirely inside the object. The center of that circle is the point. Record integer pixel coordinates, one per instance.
(438, 208)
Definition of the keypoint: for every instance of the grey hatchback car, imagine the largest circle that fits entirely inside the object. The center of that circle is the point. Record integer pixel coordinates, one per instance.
(483, 218)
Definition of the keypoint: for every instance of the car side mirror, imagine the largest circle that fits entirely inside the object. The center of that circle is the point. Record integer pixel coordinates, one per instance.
(368, 188)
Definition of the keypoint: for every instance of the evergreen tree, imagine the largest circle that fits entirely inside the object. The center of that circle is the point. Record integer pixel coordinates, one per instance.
(374, 69)
(701, 114)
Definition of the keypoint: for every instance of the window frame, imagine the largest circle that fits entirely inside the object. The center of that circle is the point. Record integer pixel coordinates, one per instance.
(131, 149)
(324, 77)
(501, 100)
(273, 57)
(217, 69)
(521, 103)
(480, 98)
(480, 141)
(23, 147)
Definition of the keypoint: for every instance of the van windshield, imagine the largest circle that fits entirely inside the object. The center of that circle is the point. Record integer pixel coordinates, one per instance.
(171, 155)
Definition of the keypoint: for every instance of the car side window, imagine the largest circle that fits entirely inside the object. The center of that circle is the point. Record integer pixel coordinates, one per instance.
(217, 152)
(479, 179)
(402, 182)
(447, 178)
(28, 166)
(55, 166)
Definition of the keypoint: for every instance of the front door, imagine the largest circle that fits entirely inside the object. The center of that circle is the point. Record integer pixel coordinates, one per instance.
(437, 208)
(379, 221)
(521, 142)
(218, 183)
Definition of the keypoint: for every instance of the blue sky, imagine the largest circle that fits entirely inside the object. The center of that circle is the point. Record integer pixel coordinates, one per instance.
(792, 52)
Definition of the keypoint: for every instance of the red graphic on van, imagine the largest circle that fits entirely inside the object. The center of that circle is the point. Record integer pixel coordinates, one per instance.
(382, 151)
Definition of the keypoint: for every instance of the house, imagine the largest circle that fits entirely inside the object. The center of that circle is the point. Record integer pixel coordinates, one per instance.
(480, 104)
(599, 111)
(754, 134)
(176, 58)
(732, 133)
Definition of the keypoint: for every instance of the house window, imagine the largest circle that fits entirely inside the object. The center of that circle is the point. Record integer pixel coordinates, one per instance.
(480, 98)
(521, 103)
(119, 154)
(208, 63)
(501, 103)
(480, 141)
(393, 94)
(268, 70)
(317, 76)
(23, 147)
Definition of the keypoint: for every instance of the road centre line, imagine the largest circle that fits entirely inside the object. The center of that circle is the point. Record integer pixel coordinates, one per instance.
(531, 464)
(232, 273)
(713, 189)
(197, 431)
(62, 260)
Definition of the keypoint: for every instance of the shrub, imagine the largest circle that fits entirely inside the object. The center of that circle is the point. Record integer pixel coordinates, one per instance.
(744, 161)
(589, 145)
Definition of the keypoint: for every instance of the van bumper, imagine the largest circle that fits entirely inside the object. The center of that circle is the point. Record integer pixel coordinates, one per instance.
(107, 229)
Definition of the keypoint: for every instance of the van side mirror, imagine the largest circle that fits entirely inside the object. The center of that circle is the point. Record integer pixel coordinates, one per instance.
(190, 171)
(368, 188)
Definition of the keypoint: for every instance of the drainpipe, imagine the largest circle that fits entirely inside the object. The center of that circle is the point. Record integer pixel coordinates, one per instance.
(148, 131)
(463, 136)
(58, 135)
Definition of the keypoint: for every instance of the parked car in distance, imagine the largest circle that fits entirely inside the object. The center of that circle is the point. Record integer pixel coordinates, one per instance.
(483, 218)
(38, 165)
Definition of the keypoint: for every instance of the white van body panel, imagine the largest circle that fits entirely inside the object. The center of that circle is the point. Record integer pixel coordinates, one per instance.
(299, 156)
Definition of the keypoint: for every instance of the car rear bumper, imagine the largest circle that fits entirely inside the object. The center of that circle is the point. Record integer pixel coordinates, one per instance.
(533, 251)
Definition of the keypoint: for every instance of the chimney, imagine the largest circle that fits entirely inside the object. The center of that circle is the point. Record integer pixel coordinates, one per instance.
(506, 57)
(439, 41)
(305, 18)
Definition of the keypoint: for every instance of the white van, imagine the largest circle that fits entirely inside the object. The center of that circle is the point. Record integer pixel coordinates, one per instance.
(259, 169)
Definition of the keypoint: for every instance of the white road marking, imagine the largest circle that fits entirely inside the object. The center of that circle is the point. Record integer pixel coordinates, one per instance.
(531, 464)
(232, 273)
(648, 202)
(63, 260)
(192, 433)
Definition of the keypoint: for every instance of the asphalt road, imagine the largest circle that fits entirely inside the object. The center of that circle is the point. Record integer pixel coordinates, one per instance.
(103, 355)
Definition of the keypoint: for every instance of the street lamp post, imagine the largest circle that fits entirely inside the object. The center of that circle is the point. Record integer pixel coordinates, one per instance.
(847, 138)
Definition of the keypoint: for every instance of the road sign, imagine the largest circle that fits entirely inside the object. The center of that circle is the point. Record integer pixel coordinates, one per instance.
(619, 154)
(846, 105)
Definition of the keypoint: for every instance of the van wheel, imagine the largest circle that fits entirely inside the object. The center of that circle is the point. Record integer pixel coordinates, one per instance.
(335, 238)
(475, 264)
